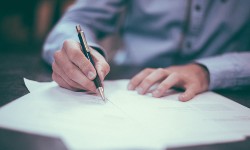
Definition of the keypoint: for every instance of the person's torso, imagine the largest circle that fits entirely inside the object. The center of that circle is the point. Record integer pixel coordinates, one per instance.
(165, 32)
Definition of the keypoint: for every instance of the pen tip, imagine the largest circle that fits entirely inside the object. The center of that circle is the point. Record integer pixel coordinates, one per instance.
(101, 92)
(103, 96)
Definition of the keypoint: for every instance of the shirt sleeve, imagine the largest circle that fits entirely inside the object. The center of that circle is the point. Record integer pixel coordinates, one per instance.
(97, 18)
(231, 70)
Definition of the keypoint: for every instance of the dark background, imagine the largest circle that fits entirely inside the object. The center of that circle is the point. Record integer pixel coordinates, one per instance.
(24, 24)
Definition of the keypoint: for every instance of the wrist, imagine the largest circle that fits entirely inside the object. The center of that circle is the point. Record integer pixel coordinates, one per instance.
(203, 74)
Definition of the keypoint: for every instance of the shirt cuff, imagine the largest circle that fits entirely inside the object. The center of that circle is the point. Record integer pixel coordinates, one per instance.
(221, 72)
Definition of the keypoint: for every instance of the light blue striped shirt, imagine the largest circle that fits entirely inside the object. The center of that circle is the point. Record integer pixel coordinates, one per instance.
(160, 33)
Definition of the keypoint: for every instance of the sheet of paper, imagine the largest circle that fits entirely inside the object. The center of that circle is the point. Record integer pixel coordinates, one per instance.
(127, 120)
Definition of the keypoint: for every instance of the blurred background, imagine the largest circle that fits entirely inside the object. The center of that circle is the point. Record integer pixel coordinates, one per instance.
(24, 24)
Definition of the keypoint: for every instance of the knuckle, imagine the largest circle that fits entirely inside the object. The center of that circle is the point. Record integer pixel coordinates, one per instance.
(133, 81)
(161, 89)
(137, 79)
(147, 81)
(99, 65)
(71, 83)
(105, 68)
(176, 75)
(70, 72)
(167, 72)
(66, 43)
(86, 67)
(148, 70)
(163, 85)
(57, 55)
(73, 55)
(160, 70)
(53, 66)
(82, 66)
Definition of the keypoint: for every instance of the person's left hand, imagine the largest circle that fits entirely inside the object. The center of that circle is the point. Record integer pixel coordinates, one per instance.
(193, 78)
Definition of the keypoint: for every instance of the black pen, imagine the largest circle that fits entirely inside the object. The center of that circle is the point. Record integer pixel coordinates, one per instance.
(86, 51)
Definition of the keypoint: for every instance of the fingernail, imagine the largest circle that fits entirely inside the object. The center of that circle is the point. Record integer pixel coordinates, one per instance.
(91, 75)
(156, 93)
(182, 98)
(130, 87)
(139, 90)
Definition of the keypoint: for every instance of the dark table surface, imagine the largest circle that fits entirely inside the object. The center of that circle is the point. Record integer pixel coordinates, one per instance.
(15, 66)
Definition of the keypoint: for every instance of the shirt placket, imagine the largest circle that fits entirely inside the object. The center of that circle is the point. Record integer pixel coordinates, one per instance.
(195, 24)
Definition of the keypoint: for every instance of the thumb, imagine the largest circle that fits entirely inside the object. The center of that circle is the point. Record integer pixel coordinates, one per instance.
(189, 93)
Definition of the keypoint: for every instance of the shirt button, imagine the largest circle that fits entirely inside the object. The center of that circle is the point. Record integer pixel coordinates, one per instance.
(189, 45)
(197, 7)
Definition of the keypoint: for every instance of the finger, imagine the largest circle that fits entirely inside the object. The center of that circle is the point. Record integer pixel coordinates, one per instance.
(172, 80)
(136, 80)
(75, 74)
(73, 51)
(189, 93)
(60, 81)
(150, 80)
(102, 67)
(59, 71)
(72, 75)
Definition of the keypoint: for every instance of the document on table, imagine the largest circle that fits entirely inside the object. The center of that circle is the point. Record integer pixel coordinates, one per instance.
(127, 119)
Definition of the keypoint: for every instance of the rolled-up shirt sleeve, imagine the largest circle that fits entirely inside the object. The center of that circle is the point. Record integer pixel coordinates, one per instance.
(231, 70)
(97, 18)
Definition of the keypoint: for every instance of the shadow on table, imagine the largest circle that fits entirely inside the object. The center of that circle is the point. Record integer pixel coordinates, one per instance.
(15, 140)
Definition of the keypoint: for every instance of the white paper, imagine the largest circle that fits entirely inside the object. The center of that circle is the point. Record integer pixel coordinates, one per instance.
(127, 120)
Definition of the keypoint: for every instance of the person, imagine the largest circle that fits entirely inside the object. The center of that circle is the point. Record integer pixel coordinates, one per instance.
(195, 45)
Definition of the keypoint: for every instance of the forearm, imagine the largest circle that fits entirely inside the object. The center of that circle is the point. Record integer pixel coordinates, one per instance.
(230, 70)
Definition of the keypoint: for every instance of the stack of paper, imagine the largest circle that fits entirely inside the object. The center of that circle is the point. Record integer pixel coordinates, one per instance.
(127, 119)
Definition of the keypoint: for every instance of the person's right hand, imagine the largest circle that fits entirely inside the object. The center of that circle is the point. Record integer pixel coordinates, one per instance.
(72, 70)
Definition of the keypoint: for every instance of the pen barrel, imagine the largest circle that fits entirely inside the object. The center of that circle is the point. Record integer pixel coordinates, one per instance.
(97, 80)
(83, 48)
(87, 54)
